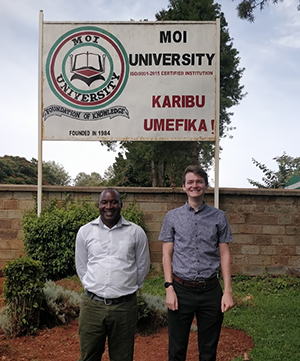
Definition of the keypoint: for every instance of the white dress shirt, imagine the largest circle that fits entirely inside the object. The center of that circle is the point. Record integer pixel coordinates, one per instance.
(112, 262)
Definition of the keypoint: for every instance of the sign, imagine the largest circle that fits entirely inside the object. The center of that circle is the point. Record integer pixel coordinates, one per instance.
(293, 182)
(129, 81)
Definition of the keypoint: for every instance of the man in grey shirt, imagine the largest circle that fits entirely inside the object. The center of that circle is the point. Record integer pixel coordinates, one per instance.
(195, 245)
(112, 262)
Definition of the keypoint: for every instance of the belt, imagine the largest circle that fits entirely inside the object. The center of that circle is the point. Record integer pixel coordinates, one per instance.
(203, 283)
(109, 301)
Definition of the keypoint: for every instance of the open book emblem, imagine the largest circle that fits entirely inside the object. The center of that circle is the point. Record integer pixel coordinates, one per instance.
(87, 67)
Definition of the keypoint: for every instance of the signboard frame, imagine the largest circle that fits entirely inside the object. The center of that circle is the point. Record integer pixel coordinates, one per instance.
(198, 115)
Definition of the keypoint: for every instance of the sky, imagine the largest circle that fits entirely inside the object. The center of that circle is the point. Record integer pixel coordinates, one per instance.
(266, 121)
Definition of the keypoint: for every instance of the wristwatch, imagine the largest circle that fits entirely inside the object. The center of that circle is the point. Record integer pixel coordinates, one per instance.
(167, 284)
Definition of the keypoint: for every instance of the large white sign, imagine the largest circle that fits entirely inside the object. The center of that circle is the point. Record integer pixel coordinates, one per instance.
(129, 81)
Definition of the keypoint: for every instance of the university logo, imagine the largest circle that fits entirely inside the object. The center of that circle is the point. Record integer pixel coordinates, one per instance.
(86, 72)
(87, 69)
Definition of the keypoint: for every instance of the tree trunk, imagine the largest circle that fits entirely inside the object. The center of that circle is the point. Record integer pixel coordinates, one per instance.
(153, 176)
(158, 173)
(195, 153)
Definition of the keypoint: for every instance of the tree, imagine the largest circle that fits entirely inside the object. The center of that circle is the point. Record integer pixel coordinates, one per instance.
(161, 163)
(231, 92)
(287, 167)
(18, 170)
(55, 174)
(157, 164)
(108, 176)
(246, 8)
(89, 180)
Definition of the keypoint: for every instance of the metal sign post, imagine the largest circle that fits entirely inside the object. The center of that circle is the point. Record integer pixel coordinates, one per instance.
(217, 117)
(40, 117)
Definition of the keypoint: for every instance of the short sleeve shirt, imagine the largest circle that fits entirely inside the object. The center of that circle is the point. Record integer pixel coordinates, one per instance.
(196, 236)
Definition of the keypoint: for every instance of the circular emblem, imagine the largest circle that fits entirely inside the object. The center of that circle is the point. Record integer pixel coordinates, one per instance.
(87, 68)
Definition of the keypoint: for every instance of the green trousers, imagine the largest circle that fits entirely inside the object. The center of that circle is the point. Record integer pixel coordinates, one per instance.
(116, 323)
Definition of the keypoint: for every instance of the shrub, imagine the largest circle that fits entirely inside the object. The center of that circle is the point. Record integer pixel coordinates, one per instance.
(5, 321)
(50, 238)
(132, 214)
(61, 305)
(152, 313)
(24, 281)
(58, 306)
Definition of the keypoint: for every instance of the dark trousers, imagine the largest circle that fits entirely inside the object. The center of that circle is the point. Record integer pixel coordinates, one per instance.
(205, 304)
(98, 322)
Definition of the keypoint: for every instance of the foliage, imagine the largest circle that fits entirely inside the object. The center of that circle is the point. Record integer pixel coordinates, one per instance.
(231, 91)
(61, 305)
(152, 313)
(132, 214)
(50, 237)
(108, 176)
(89, 180)
(154, 284)
(152, 310)
(246, 8)
(5, 321)
(127, 175)
(24, 280)
(156, 164)
(152, 307)
(55, 174)
(287, 167)
(95, 179)
(270, 316)
(160, 164)
(18, 170)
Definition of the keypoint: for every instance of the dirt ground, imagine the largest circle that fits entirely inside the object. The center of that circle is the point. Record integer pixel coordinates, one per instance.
(62, 343)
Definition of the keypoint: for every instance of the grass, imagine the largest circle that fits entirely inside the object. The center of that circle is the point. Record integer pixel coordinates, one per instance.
(267, 308)
(154, 284)
(271, 316)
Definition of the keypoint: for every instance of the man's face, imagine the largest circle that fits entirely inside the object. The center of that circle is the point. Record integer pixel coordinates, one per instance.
(194, 185)
(110, 207)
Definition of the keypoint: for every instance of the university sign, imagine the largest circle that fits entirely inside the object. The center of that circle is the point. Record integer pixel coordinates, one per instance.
(129, 81)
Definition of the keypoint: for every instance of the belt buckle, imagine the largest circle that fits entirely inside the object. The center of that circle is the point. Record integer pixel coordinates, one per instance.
(202, 283)
(108, 302)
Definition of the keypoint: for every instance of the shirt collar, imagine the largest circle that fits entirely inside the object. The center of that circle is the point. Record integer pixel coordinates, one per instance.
(122, 222)
(200, 208)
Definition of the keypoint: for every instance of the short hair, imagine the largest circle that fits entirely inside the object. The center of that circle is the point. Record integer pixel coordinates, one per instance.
(114, 190)
(196, 170)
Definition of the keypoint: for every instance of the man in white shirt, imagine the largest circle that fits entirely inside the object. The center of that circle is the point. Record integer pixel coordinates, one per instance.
(112, 262)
